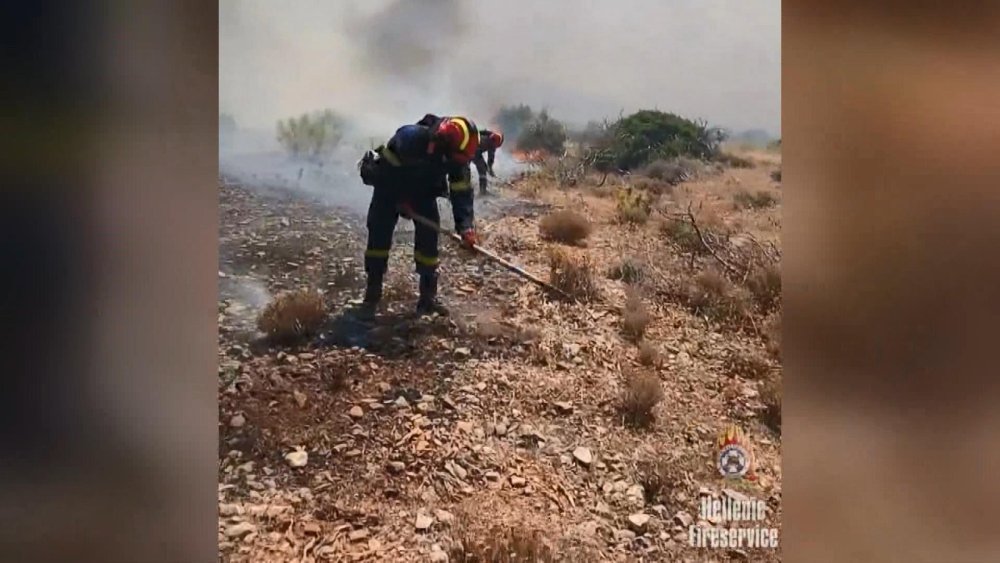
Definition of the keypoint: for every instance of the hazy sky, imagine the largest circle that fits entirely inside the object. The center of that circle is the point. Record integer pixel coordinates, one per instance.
(387, 62)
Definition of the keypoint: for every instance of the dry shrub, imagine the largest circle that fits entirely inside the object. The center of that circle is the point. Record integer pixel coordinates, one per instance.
(649, 354)
(660, 477)
(630, 271)
(760, 199)
(565, 226)
(673, 171)
(764, 284)
(712, 294)
(748, 364)
(776, 175)
(574, 276)
(652, 186)
(772, 336)
(633, 206)
(635, 316)
(770, 396)
(642, 392)
(735, 160)
(683, 234)
(292, 315)
(502, 545)
(487, 326)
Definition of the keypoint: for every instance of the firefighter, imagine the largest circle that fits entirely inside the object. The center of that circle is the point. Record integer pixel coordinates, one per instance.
(420, 163)
(489, 142)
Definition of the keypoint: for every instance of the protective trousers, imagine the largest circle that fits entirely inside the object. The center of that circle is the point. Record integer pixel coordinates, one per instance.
(481, 169)
(383, 213)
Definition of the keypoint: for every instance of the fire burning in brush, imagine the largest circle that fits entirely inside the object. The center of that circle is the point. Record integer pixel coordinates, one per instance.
(534, 156)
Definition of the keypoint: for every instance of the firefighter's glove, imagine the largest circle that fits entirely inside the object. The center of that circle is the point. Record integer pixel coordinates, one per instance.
(469, 238)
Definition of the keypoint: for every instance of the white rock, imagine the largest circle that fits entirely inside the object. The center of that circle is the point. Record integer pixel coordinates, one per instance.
(518, 481)
(583, 455)
(423, 521)
(240, 530)
(444, 516)
(638, 521)
(356, 412)
(237, 421)
(298, 458)
(401, 402)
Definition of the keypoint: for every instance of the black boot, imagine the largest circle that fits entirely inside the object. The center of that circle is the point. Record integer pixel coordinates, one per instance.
(482, 186)
(427, 303)
(373, 294)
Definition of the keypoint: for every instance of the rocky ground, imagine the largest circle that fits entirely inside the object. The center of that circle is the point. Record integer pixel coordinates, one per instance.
(409, 439)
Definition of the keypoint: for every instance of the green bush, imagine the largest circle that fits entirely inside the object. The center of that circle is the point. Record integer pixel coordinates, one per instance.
(311, 136)
(513, 119)
(543, 133)
(227, 126)
(648, 135)
(757, 200)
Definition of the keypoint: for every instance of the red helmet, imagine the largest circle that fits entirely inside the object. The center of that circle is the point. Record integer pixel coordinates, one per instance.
(496, 137)
(458, 139)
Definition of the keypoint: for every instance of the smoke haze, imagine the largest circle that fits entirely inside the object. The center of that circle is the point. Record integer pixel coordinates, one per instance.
(384, 63)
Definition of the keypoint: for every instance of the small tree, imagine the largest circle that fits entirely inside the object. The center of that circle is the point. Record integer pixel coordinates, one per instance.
(543, 133)
(227, 127)
(513, 119)
(311, 136)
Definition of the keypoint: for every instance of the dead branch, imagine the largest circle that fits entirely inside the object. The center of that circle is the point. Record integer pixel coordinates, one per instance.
(694, 223)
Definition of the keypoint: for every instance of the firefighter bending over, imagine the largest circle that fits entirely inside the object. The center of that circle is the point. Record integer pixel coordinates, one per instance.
(420, 163)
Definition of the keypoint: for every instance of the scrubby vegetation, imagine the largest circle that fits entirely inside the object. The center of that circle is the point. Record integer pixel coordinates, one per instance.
(635, 315)
(565, 226)
(292, 315)
(642, 393)
(531, 131)
(227, 128)
(631, 270)
(572, 275)
(311, 136)
(758, 200)
(634, 206)
(649, 135)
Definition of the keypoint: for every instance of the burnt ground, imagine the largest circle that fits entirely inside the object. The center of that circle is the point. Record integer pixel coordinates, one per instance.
(424, 433)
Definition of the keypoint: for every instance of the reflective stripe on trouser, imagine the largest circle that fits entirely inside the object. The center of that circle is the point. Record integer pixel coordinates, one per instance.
(425, 240)
(382, 217)
(460, 180)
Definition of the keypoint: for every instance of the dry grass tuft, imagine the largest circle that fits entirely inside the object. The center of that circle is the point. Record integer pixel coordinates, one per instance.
(673, 171)
(635, 316)
(502, 545)
(292, 315)
(772, 336)
(712, 294)
(682, 233)
(770, 396)
(776, 175)
(574, 276)
(764, 284)
(661, 477)
(649, 354)
(747, 364)
(758, 200)
(630, 271)
(734, 160)
(633, 206)
(642, 392)
(565, 226)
